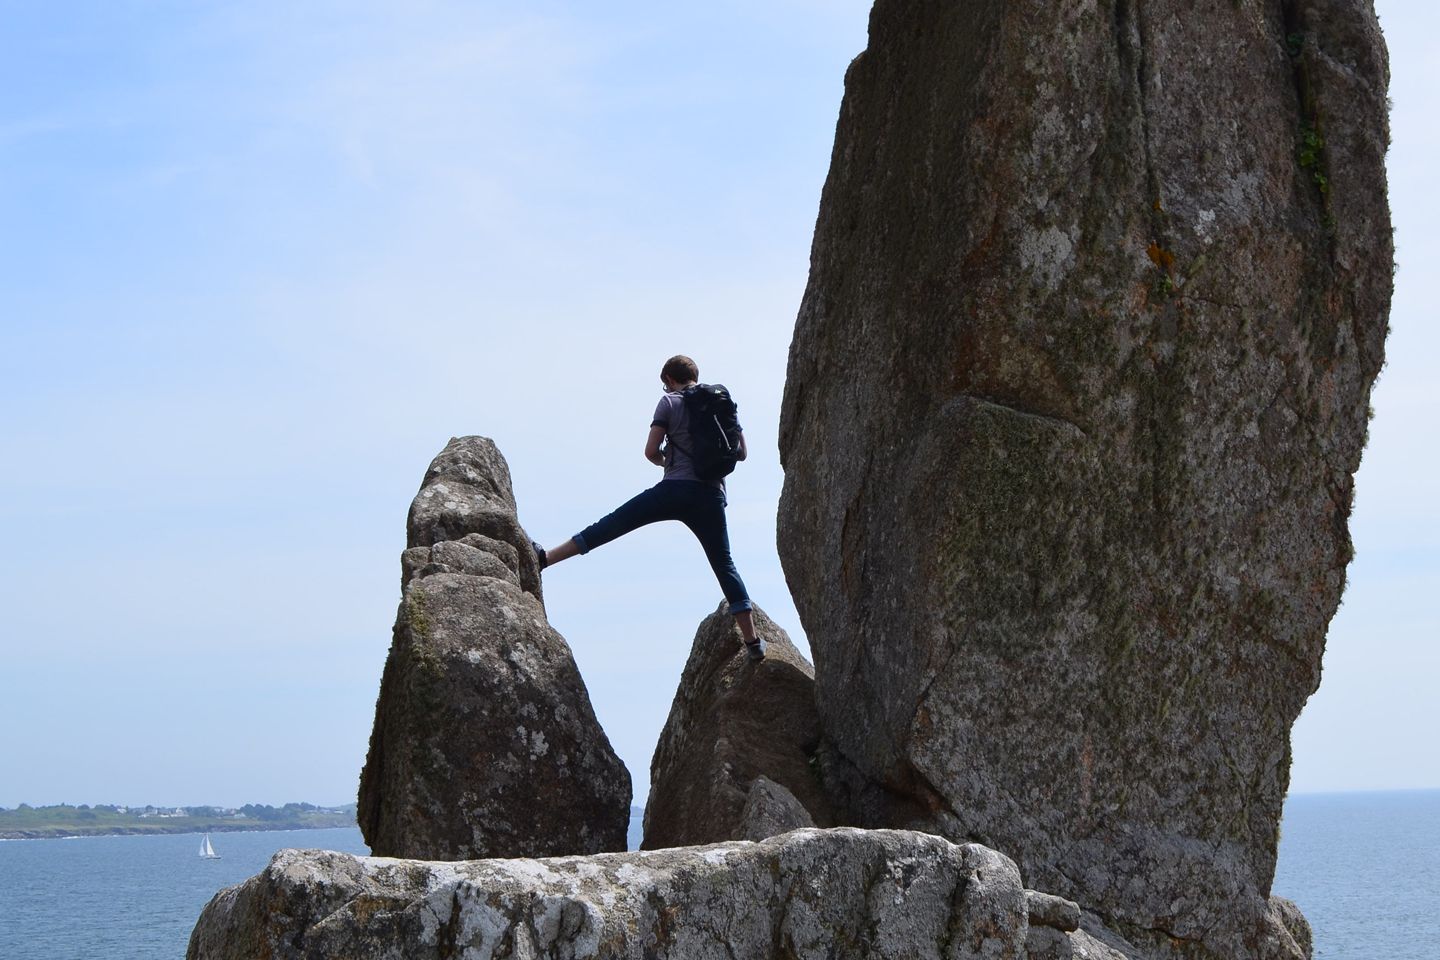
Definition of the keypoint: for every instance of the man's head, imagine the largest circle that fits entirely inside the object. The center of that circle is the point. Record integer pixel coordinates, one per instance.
(678, 371)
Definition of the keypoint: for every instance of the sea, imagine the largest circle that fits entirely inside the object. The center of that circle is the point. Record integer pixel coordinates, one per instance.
(1364, 867)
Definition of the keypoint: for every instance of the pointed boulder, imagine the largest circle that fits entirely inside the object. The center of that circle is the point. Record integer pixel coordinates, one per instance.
(485, 743)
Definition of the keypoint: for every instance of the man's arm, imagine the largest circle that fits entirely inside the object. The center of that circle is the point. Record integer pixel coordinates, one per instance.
(744, 451)
(652, 446)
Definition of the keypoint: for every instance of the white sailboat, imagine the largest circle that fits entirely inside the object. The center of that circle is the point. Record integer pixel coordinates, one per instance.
(207, 852)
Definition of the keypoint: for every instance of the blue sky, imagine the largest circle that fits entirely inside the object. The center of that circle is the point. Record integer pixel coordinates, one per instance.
(259, 261)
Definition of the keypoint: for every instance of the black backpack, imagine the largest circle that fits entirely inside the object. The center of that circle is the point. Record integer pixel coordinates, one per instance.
(714, 430)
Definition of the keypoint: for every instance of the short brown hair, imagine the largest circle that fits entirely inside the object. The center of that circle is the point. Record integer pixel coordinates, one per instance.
(681, 369)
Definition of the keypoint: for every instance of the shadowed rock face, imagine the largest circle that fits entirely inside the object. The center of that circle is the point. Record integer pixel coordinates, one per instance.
(485, 743)
(771, 810)
(1098, 293)
(733, 721)
(810, 895)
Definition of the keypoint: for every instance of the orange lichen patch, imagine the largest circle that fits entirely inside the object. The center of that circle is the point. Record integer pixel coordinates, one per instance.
(982, 251)
(1162, 258)
(1009, 372)
(365, 907)
(923, 725)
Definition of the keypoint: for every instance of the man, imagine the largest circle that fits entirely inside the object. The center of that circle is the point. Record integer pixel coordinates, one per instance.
(681, 495)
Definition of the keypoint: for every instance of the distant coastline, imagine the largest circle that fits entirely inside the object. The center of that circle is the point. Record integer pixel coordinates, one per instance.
(63, 821)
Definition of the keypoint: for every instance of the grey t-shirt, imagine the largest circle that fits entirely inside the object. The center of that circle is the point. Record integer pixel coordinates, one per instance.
(671, 414)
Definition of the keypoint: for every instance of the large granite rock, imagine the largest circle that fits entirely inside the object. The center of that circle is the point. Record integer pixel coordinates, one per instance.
(485, 743)
(734, 723)
(810, 895)
(1098, 293)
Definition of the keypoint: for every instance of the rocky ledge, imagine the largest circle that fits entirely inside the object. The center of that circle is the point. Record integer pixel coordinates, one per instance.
(805, 894)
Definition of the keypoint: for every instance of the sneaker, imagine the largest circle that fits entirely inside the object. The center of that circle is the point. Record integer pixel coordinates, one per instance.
(756, 650)
(540, 554)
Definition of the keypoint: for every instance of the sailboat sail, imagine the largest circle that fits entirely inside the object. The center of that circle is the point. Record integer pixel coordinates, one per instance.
(207, 852)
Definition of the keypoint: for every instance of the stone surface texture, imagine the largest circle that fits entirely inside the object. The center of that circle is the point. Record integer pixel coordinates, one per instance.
(1048, 910)
(733, 720)
(809, 895)
(485, 743)
(1048, 943)
(1077, 389)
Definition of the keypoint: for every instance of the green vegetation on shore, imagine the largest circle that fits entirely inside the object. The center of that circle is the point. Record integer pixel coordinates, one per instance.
(63, 820)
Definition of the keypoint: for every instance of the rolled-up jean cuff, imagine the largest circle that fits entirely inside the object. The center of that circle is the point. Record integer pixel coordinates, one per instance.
(580, 542)
(740, 606)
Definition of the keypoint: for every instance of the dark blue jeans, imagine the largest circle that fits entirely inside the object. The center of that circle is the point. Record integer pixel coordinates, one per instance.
(699, 506)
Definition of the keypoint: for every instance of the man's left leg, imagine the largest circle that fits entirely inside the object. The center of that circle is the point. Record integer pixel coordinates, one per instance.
(706, 519)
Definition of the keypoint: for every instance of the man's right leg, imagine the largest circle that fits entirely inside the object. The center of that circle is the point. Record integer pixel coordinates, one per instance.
(554, 555)
(648, 506)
